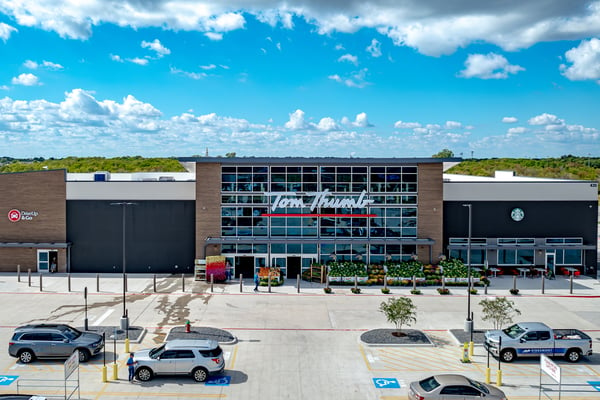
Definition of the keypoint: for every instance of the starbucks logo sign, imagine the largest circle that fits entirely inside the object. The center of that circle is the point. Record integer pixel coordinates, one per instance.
(517, 214)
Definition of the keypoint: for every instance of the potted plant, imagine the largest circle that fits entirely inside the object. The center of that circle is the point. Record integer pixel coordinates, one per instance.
(327, 289)
(443, 290)
(473, 290)
(514, 291)
(385, 290)
(415, 291)
(355, 290)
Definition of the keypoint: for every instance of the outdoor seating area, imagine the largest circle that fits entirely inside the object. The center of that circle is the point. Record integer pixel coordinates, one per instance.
(531, 272)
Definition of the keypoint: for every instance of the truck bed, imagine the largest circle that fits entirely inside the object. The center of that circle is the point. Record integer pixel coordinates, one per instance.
(570, 334)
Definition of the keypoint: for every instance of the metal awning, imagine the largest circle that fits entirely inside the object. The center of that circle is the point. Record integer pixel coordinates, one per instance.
(267, 240)
(562, 246)
(36, 245)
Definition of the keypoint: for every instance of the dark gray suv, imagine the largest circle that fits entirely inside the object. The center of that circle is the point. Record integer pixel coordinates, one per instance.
(53, 341)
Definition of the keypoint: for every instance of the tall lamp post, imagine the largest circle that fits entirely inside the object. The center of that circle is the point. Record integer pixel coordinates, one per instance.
(469, 320)
(125, 317)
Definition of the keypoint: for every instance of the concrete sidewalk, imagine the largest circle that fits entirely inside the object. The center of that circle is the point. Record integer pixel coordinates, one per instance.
(148, 284)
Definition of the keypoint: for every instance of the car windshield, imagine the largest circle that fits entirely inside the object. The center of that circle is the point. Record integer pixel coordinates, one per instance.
(71, 333)
(480, 386)
(429, 384)
(154, 353)
(513, 331)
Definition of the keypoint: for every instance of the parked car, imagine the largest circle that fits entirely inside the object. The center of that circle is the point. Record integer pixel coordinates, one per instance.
(197, 358)
(447, 386)
(53, 341)
(530, 339)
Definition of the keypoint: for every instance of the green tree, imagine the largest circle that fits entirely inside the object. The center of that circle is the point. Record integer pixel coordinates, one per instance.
(499, 310)
(444, 154)
(399, 311)
(230, 155)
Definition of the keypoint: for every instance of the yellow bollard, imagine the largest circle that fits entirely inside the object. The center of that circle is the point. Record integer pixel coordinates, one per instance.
(487, 375)
(115, 372)
(499, 378)
(127, 345)
(471, 348)
(104, 377)
(465, 358)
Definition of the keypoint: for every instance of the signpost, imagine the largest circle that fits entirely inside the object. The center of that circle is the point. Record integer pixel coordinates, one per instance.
(552, 370)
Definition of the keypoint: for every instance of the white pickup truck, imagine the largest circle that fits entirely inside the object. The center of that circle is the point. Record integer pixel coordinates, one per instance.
(530, 339)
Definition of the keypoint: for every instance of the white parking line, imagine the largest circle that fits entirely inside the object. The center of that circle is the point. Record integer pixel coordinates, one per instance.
(103, 317)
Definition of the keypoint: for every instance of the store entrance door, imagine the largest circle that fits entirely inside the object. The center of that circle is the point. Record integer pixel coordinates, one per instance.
(293, 267)
(550, 258)
(245, 266)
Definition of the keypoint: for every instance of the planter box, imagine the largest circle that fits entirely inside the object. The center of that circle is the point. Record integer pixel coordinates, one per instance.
(360, 279)
(450, 279)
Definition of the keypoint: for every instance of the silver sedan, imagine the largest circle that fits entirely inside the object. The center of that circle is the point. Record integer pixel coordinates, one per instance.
(446, 387)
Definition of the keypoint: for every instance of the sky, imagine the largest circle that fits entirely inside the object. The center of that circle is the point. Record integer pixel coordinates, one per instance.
(270, 78)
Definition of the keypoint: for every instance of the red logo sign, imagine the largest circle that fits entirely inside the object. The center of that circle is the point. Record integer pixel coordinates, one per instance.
(14, 215)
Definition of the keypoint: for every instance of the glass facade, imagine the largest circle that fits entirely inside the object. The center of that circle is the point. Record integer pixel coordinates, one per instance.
(358, 203)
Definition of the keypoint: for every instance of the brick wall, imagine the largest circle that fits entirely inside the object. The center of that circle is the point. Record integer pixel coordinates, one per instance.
(208, 207)
(430, 210)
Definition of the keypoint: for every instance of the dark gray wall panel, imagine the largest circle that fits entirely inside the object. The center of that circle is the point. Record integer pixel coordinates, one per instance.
(159, 235)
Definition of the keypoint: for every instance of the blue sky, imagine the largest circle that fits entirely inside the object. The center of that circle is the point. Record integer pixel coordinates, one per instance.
(299, 78)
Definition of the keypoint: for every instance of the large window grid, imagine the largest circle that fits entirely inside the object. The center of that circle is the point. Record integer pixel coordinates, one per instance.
(513, 256)
(564, 255)
(395, 205)
(477, 255)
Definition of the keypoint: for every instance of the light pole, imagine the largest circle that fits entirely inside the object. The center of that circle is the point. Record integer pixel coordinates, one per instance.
(125, 317)
(469, 320)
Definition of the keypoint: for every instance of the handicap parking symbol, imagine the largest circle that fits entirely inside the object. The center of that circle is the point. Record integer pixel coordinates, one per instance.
(6, 380)
(386, 383)
(595, 384)
(218, 381)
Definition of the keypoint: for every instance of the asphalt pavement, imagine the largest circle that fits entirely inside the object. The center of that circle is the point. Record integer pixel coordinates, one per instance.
(290, 342)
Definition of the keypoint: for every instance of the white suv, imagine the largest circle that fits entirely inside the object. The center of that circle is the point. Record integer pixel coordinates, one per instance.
(197, 358)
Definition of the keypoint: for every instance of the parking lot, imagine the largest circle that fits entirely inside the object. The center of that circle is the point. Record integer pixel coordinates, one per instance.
(291, 345)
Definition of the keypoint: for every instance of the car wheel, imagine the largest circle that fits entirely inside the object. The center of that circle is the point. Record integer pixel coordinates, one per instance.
(199, 374)
(508, 355)
(572, 355)
(84, 355)
(26, 356)
(144, 374)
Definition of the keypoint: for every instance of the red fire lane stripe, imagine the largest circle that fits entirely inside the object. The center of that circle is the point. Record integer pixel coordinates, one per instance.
(322, 215)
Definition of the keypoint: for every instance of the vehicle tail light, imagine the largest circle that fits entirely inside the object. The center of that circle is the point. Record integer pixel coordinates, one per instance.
(11, 343)
(216, 360)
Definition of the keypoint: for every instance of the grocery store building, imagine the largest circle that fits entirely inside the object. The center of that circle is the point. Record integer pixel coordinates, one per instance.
(291, 212)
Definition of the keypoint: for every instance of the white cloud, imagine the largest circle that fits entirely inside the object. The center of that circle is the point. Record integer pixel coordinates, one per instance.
(406, 125)
(214, 36)
(138, 61)
(193, 75)
(374, 48)
(545, 119)
(208, 67)
(5, 31)
(45, 64)
(488, 66)
(452, 125)
(509, 120)
(349, 58)
(431, 27)
(116, 57)
(157, 47)
(25, 80)
(327, 124)
(362, 120)
(356, 79)
(584, 60)
(121, 127)
(296, 120)
(4, 87)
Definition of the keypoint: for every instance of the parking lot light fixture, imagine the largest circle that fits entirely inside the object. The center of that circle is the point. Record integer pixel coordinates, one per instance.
(125, 317)
(469, 320)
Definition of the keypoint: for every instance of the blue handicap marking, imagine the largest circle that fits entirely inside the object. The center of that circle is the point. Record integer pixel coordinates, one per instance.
(218, 381)
(386, 383)
(6, 380)
(595, 384)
